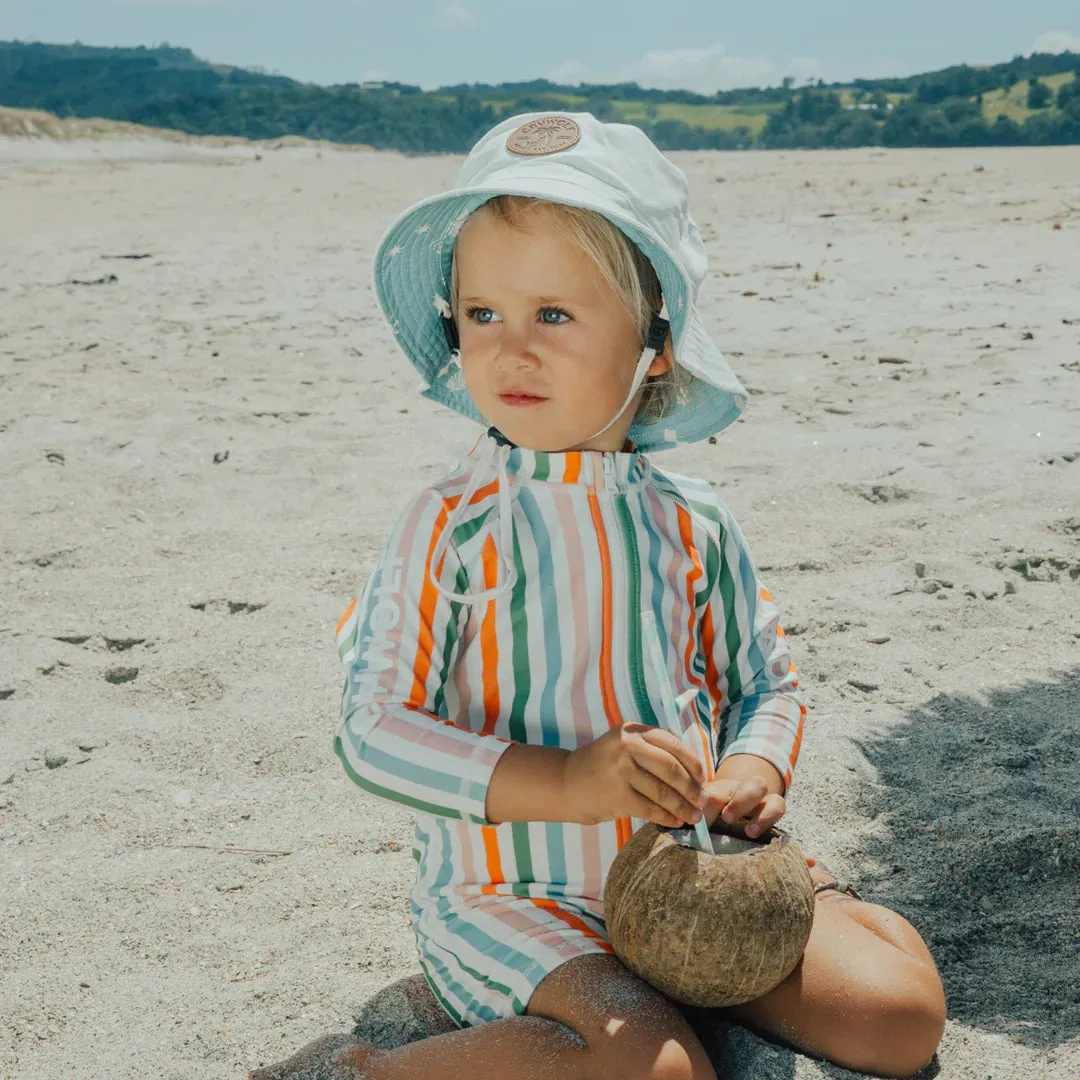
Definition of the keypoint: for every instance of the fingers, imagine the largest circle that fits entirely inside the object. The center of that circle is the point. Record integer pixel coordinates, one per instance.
(673, 745)
(747, 801)
(663, 799)
(767, 815)
(671, 769)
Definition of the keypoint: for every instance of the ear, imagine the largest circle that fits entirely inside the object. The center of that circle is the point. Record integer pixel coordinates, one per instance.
(664, 359)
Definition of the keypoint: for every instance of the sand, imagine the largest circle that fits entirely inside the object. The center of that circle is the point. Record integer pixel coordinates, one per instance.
(201, 454)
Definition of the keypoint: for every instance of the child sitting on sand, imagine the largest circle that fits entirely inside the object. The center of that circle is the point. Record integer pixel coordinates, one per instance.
(497, 682)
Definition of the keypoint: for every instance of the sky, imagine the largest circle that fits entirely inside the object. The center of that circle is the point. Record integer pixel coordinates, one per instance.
(702, 45)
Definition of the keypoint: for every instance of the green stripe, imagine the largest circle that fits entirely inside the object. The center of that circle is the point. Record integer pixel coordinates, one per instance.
(461, 584)
(350, 641)
(543, 465)
(637, 652)
(464, 533)
(732, 639)
(442, 1000)
(519, 627)
(396, 796)
(519, 1007)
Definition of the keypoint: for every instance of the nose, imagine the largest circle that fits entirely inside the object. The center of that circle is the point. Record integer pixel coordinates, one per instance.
(516, 348)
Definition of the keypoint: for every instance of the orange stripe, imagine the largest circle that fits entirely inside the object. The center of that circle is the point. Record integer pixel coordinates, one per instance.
(712, 672)
(429, 598)
(607, 680)
(573, 468)
(425, 644)
(345, 618)
(570, 919)
(794, 756)
(489, 646)
(765, 594)
(494, 861)
(477, 495)
(686, 535)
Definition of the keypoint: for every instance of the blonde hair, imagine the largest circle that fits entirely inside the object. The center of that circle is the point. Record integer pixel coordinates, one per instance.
(624, 267)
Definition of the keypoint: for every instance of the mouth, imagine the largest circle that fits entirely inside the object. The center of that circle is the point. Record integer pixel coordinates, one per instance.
(520, 399)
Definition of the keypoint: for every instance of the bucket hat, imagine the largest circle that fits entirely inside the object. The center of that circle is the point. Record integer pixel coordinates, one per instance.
(573, 158)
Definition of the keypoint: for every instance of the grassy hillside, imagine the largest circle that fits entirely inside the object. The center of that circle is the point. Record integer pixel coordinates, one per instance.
(172, 88)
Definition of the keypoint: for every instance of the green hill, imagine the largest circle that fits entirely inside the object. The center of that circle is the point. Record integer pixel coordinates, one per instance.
(1033, 100)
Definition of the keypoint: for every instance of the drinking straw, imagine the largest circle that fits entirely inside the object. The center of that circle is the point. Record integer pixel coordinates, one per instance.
(672, 710)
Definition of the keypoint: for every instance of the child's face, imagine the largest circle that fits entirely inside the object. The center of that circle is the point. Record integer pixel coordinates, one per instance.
(548, 350)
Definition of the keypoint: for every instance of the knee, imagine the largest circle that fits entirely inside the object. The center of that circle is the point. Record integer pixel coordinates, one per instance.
(682, 1059)
(906, 1034)
(643, 1048)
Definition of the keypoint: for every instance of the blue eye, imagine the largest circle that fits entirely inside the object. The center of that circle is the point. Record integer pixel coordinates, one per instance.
(552, 311)
(480, 314)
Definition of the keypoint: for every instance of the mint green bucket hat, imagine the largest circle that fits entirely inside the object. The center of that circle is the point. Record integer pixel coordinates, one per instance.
(572, 158)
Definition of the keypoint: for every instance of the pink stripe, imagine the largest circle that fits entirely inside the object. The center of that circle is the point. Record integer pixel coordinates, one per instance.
(593, 868)
(468, 860)
(580, 642)
(542, 928)
(406, 542)
(439, 742)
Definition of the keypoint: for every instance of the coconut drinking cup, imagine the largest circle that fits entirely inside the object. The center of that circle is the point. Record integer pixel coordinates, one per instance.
(710, 929)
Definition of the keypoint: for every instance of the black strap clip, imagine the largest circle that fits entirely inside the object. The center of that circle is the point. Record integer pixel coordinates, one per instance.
(450, 330)
(658, 332)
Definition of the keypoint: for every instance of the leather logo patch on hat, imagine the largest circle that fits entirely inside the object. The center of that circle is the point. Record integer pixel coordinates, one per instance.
(545, 135)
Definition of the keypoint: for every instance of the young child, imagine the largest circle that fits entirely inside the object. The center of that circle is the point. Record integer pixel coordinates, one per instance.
(498, 684)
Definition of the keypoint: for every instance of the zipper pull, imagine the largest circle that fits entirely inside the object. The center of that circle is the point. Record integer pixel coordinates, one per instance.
(610, 483)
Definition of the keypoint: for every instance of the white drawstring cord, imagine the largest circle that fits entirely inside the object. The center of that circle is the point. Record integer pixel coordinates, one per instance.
(648, 355)
(504, 513)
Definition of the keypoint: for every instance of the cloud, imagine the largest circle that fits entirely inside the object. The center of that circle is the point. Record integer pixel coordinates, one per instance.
(456, 13)
(1056, 41)
(704, 70)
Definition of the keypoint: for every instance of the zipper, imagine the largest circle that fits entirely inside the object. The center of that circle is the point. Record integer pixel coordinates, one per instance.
(633, 586)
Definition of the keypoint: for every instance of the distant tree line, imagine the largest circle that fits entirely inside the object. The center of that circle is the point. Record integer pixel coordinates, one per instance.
(171, 87)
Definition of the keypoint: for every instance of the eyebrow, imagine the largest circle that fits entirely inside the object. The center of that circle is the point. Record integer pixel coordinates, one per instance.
(539, 301)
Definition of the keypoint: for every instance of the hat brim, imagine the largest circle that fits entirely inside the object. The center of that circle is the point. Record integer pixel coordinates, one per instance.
(411, 269)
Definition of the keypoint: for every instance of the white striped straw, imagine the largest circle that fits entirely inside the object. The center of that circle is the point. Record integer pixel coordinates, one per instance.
(672, 709)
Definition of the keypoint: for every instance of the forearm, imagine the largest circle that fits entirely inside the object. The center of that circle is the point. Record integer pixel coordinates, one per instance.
(741, 766)
(528, 785)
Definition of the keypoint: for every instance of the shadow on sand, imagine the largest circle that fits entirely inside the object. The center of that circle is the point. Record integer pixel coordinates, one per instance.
(982, 803)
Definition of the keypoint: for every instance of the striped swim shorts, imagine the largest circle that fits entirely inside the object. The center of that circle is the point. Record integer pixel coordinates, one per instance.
(483, 956)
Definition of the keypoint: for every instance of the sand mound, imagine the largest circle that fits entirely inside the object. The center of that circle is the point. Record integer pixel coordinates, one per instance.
(38, 124)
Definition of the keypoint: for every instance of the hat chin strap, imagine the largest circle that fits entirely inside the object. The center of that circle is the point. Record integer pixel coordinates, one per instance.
(654, 344)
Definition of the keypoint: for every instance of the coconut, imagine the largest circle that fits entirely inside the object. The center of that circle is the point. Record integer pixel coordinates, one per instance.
(710, 929)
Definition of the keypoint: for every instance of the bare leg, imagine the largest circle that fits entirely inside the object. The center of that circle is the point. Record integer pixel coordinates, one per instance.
(865, 995)
(590, 1019)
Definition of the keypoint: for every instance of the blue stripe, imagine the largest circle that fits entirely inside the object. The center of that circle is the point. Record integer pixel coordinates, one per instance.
(549, 605)
(389, 765)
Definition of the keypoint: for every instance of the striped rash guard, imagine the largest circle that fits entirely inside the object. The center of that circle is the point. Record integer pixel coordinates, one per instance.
(437, 689)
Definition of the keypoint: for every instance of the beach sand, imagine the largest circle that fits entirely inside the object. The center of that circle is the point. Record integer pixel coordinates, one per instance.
(206, 431)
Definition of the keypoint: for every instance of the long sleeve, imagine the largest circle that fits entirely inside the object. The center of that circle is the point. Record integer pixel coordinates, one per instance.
(752, 681)
(398, 640)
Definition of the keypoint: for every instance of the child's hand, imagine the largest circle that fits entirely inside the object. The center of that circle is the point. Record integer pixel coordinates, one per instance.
(634, 770)
(744, 800)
